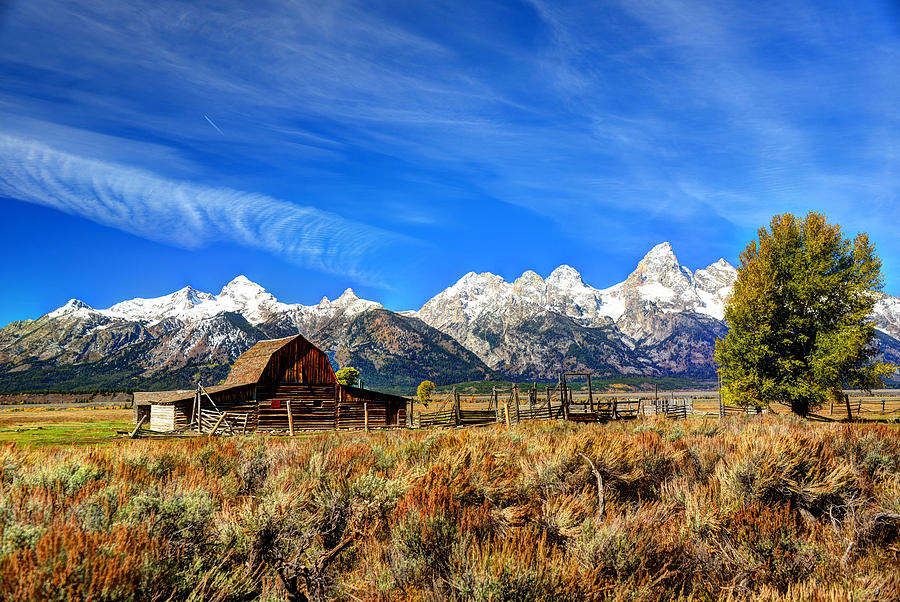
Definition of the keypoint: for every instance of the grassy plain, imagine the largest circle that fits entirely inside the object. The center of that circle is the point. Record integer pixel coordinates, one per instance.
(54, 427)
(767, 508)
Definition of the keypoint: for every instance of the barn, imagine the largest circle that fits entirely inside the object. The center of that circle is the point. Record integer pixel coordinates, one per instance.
(281, 385)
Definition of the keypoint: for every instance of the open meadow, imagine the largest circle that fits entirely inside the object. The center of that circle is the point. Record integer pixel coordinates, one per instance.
(38, 427)
(762, 508)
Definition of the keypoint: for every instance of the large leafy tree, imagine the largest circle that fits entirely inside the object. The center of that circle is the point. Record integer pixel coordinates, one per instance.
(799, 326)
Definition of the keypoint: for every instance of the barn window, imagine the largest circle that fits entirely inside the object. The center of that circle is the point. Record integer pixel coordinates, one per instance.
(276, 403)
(317, 403)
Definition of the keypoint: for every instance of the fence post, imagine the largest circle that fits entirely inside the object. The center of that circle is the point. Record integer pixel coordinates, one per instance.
(199, 411)
(516, 400)
(290, 417)
(365, 416)
(590, 393)
(456, 400)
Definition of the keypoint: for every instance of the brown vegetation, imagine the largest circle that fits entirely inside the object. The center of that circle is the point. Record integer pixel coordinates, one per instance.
(747, 508)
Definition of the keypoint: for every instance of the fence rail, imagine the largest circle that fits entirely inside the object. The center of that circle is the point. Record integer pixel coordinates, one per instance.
(560, 401)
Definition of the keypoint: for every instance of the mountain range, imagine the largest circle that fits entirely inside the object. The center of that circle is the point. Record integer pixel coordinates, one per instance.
(662, 320)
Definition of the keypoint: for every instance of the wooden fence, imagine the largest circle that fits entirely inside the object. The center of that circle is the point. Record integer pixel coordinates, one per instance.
(561, 402)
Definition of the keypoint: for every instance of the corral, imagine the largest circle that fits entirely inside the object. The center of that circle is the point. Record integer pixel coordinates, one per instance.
(563, 401)
(280, 385)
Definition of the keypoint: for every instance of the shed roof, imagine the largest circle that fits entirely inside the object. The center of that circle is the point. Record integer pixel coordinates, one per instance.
(170, 397)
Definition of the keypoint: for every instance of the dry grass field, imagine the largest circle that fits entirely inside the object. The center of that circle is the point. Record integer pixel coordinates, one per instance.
(769, 508)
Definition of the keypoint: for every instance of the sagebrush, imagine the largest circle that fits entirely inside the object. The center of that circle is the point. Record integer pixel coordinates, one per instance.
(747, 508)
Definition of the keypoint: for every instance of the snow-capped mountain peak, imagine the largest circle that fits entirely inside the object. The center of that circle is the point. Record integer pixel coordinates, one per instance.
(661, 265)
(661, 250)
(241, 286)
(477, 283)
(565, 277)
(177, 305)
(713, 285)
(72, 306)
(651, 322)
(348, 303)
(247, 298)
(530, 286)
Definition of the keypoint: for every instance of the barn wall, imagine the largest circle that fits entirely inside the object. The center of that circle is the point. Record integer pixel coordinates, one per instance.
(312, 407)
(383, 410)
(298, 362)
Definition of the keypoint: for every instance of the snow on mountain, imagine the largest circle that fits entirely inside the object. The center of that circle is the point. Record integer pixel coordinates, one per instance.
(887, 315)
(714, 285)
(662, 319)
(249, 299)
(659, 280)
(659, 285)
(350, 304)
(73, 308)
(466, 300)
(567, 294)
(180, 305)
(241, 296)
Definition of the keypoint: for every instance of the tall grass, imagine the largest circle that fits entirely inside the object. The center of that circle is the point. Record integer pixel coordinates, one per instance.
(772, 509)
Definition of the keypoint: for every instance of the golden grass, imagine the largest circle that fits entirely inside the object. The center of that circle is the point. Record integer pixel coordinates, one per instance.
(769, 509)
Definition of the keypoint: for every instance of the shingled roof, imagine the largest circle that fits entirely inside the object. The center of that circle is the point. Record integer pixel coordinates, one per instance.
(247, 370)
(249, 367)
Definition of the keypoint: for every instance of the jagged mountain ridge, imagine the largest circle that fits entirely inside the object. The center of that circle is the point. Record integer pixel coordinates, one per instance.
(661, 320)
(658, 301)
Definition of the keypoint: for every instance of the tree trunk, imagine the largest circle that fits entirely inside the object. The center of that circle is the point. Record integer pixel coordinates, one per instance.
(800, 407)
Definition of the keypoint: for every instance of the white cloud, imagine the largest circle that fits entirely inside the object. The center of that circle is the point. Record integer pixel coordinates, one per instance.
(189, 215)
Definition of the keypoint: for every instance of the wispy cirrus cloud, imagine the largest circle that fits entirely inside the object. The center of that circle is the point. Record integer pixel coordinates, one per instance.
(190, 215)
(613, 124)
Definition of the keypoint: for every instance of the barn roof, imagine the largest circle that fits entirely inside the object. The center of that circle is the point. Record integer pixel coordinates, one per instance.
(249, 367)
(247, 370)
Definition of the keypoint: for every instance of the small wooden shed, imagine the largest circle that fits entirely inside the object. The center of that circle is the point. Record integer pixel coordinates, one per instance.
(280, 385)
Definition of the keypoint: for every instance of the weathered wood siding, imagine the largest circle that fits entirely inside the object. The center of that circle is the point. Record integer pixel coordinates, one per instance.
(383, 409)
(298, 362)
(162, 418)
(167, 418)
(312, 407)
(268, 379)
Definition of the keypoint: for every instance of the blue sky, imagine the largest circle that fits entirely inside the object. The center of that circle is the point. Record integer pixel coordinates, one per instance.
(392, 147)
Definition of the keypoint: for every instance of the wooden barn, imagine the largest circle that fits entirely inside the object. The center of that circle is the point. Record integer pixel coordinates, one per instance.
(280, 385)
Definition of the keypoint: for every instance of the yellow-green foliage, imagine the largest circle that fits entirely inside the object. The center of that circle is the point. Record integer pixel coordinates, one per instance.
(772, 509)
(799, 317)
(347, 375)
(424, 391)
